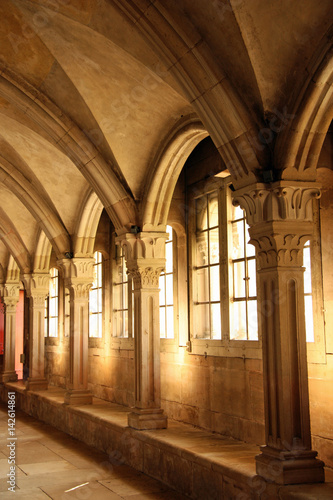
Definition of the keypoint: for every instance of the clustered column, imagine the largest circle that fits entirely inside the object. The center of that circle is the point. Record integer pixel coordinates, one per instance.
(280, 219)
(37, 287)
(78, 273)
(10, 299)
(145, 257)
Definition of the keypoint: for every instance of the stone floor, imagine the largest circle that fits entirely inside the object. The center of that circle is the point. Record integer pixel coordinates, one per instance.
(52, 465)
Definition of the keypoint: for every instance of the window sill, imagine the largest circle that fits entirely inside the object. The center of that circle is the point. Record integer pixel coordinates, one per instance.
(122, 343)
(95, 342)
(226, 348)
(51, 341)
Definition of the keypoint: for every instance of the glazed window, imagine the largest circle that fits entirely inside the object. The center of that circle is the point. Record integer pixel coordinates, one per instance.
(222, 280)
(52, 305)
(122, 298)
(243, 300)
(96, 299)
(308, 294)
(167, 330)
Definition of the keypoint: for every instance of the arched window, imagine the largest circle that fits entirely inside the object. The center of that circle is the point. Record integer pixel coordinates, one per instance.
(166, 290)
(122, 297)
(96, 299)
(52, 305)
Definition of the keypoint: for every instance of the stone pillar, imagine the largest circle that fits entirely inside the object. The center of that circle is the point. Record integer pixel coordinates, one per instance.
(280, 220)
(145, 258)
(10, 299)
(37, 287)
(78, 273)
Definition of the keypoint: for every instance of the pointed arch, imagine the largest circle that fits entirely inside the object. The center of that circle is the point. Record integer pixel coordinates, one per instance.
(42, 254)
(39, 208)
(66, 136)
(14, 243)
(215, 100)
(169, 163)
(13, 270)
(87, 226)
(298, 147)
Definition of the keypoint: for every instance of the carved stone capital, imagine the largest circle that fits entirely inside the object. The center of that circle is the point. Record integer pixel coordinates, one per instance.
(78, 274)
(37, 287)
(145, 272)
(280, 243)
(11, 295)
(143, 245)
(279, 201)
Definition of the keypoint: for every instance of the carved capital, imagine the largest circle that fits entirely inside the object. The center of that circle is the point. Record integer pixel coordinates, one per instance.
(78, 274)
(143, 245)
(37, 287)
(11, 295)
(280, 243)
(145, 272)
(282, 200)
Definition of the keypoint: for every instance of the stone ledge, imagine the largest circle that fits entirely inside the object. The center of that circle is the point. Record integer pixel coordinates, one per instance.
(175, 455)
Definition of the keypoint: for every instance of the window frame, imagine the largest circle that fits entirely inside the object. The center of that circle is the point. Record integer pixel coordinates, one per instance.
(226, 346)
(54, 339)
(101, 308)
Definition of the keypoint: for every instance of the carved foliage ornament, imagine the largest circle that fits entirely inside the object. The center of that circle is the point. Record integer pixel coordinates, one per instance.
(278, 201)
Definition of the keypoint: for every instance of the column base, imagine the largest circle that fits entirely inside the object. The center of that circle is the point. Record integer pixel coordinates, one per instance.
(147, 419)
(36, 384)
(290, 467)
(8, 376)
(77, 397)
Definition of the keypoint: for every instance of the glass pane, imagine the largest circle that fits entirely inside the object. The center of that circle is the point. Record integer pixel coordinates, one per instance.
(162, 322)
(162, 290)
(309, 318)
(53, 327)
(201, 212)
(170, 328)
(239, 281)
(124, 288)
(250, 249)
(237, 240)
(251, 266)
(214, 257)
(124, 331)
(216, 321)
(100, 327)
(99, 298)
(201, 327)
(202, 249)
(93, 306)
(116, 297)
(215, 283)
(307, 272)
(169, 258)
(238, 321)
(202, 285)
(237, 213)
(252, 320)
(213, 210)
(93, 325)
(169, 289)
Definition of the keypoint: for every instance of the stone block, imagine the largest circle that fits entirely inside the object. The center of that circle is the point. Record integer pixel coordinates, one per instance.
(177, 472)
(207, 483)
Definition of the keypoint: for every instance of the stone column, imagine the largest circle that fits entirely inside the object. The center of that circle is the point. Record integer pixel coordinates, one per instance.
(280, 220)
(10, 299)
(78, 273)
(37, 287)
(145, 258)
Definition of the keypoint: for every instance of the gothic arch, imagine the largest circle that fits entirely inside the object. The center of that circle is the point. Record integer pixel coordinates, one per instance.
(87, 225)
(42, 254)
(205, 85)
(299, 146)
(66, 136)
(169, 163)
(14, 243)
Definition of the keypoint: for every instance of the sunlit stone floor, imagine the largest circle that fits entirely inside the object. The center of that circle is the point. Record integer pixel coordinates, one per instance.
(52, 465)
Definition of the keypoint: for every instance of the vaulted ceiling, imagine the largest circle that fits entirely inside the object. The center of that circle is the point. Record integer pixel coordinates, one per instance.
(90, 90)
